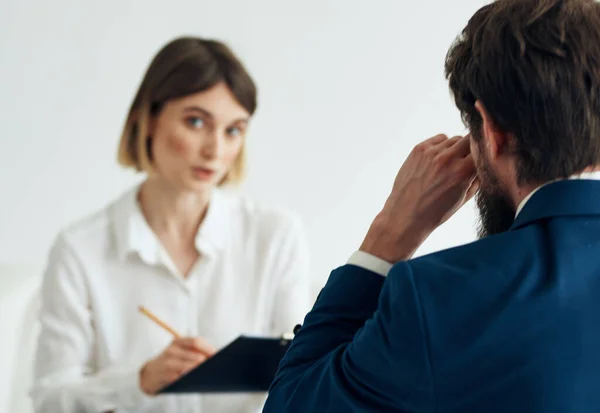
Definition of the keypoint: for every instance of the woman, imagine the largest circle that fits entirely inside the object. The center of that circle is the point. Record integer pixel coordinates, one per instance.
(211, 265)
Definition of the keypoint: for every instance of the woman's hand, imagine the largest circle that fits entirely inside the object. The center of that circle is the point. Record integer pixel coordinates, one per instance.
(182, 355)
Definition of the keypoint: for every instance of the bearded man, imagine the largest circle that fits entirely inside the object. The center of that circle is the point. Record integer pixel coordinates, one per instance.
(511, 322)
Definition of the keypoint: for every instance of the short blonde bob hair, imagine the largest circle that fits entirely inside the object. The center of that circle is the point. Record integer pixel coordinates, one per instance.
(184, 66)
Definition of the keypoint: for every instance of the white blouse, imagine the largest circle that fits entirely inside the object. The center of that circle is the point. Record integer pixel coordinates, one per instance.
(252, 278)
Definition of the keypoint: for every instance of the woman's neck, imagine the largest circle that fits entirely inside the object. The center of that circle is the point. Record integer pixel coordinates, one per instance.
(172, 213)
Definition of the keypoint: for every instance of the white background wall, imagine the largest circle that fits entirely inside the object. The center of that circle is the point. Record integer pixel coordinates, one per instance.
(347, 88)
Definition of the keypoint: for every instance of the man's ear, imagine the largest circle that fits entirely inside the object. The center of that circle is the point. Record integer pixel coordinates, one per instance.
(495, 141)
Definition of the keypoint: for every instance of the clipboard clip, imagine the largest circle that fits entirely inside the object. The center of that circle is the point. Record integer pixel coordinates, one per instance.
(286, 337)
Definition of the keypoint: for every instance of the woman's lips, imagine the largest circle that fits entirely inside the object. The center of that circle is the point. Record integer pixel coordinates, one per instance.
(204, 174)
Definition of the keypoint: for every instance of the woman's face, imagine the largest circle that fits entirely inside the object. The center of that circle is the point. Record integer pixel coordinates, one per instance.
(196, 139)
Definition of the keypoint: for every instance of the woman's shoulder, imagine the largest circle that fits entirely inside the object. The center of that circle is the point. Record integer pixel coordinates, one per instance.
(95, 227)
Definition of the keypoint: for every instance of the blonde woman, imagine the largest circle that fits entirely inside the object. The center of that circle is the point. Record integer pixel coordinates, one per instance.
(209, 263)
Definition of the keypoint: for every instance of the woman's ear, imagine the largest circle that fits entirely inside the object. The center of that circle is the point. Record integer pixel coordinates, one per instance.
(151, 124)
(153, 114)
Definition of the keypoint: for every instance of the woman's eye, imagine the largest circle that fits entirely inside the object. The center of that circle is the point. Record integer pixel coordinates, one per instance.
(234, 132)
(195, 123)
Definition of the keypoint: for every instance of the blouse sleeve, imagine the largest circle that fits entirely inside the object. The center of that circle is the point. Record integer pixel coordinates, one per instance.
(64, 378)
(293, 295)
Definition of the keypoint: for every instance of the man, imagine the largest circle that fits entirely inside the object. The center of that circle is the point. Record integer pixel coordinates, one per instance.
(510, 323)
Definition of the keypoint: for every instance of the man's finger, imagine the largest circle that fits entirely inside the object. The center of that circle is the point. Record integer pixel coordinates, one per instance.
(437, 139)
(462, 148)
(468, 163)
(450, 142)
(473, 188)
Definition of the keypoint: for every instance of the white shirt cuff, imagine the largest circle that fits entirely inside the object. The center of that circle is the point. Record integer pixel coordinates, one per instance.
(370, 262)
(128, 394)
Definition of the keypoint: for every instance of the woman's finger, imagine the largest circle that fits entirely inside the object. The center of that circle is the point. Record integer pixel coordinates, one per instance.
(197, 344)
(186, 354)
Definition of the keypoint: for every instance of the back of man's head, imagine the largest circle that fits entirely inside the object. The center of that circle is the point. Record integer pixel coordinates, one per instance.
(535, 67)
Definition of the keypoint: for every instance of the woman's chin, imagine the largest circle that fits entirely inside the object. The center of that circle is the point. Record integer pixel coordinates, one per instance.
(201, 185)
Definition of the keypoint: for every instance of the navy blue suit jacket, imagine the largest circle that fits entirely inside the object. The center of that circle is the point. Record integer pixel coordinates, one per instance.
(509, 323)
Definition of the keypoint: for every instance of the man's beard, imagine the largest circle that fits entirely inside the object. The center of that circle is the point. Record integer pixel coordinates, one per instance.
(496, 214)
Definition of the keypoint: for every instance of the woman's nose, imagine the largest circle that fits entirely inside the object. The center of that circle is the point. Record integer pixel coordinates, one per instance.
(212, 145)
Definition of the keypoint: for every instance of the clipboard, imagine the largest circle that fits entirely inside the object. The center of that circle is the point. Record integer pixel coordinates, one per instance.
(246, 365)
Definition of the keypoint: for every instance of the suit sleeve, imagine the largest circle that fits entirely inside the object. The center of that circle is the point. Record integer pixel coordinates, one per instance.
(362, 348)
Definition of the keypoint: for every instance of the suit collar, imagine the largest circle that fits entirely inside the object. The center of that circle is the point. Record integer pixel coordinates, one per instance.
(584, 175)
(561, 198)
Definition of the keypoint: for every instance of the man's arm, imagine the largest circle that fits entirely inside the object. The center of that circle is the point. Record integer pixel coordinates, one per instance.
(361, 348)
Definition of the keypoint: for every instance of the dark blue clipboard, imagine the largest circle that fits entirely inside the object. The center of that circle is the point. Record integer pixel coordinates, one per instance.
(246, 365)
